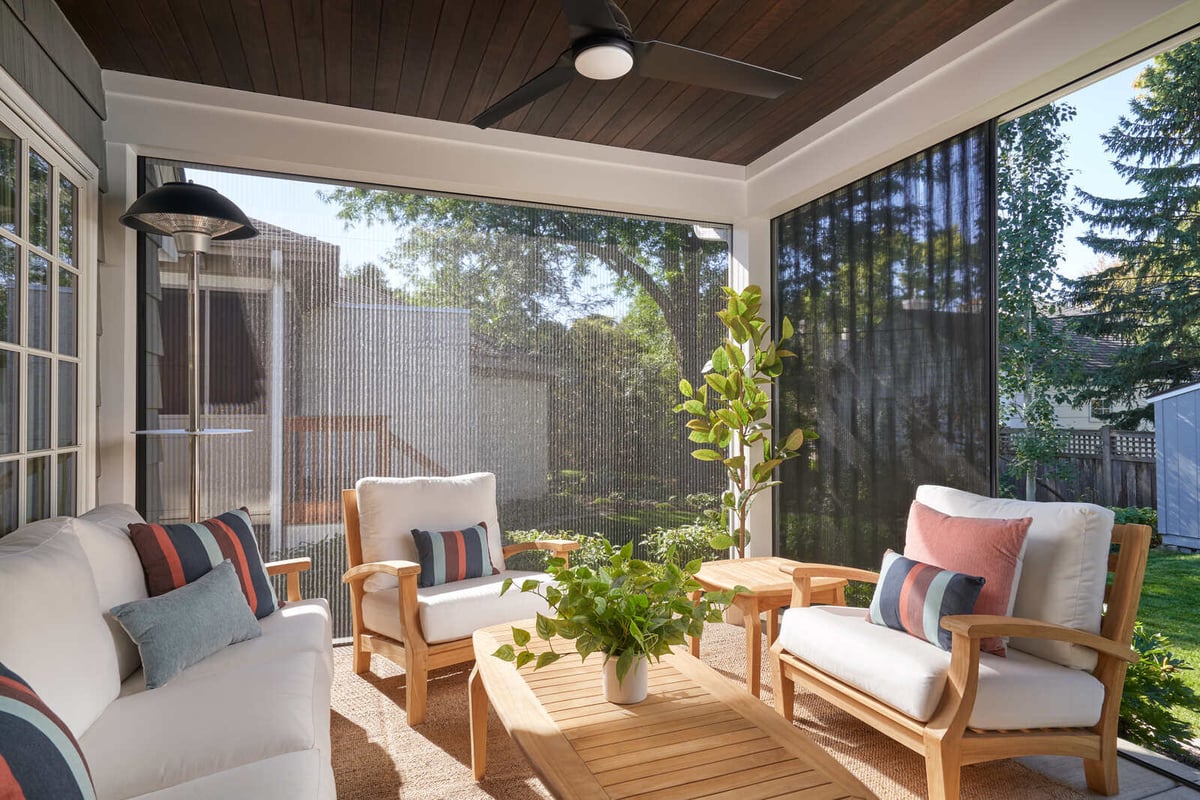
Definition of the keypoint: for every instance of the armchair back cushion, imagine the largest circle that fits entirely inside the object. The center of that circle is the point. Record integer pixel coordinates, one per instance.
(390, 508)
(1064, 569)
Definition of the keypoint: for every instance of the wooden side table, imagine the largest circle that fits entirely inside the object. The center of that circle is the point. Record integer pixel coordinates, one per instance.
(769, 590)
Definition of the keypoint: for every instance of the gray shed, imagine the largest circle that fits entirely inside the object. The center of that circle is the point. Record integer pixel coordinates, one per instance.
(1177, 459)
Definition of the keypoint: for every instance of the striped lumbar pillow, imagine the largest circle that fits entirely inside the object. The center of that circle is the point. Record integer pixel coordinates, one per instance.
(447, 556)
(39, 758)
(913, 597)
(175, 555)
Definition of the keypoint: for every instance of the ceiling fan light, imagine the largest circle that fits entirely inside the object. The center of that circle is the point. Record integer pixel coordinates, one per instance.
(605, 60)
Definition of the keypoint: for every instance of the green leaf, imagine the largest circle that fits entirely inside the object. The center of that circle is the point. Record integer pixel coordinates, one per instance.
(504, 587)
(524, 658)
(794, 440)
(530, 585)
(624, 662)
(735, 462)
(720, 362)
(546, 659)
(695, 407)
(685, 388)
(505, 652)
(706, 455)
(786, 330)
(545, 627)
(520, 636)
(722, 541)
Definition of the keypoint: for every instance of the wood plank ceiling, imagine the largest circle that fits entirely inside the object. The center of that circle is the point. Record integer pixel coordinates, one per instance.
(449, 59)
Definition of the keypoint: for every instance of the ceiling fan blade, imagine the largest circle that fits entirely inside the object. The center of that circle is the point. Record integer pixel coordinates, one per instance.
(587, 17)
(543, 83)
(671, 62)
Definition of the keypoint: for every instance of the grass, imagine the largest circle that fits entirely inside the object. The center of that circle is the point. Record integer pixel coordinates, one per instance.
(1170, 599)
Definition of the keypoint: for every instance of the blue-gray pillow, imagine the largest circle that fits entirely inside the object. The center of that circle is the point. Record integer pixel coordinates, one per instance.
(188, 624)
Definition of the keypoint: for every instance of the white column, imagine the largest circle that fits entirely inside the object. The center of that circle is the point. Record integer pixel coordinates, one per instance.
(276, 400)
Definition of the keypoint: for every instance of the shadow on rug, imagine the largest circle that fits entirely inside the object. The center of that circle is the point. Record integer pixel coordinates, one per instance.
(376, 756)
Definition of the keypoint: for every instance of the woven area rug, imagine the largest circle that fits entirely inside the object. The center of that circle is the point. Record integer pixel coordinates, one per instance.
(376, 756)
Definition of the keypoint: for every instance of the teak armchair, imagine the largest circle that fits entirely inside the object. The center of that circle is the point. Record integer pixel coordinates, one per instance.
(947, 740)
(395, 622)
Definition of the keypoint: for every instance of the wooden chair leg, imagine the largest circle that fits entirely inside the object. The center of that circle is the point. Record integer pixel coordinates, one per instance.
(942, 769)
(1101, 774)
(362, 657)
(416, 684)
(783, 687)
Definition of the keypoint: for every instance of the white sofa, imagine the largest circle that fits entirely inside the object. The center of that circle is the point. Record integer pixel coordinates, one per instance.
(251, 720)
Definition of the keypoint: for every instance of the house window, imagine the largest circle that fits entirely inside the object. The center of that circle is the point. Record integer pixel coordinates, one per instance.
(41, 310)
(1098, 410)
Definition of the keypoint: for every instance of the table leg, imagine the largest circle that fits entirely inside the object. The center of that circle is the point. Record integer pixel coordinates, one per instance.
(772, 626)
(749, 606)
(478, 702)
(695, 639)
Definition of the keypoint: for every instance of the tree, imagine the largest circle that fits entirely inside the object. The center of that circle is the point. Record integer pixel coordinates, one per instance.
(1149, 297)
(680, 272)
(1036, 365)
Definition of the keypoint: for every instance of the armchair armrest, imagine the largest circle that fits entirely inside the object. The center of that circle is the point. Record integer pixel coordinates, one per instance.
(802, 579)
(558, 547)
(979, 626)
(292, 568)
(397, 569)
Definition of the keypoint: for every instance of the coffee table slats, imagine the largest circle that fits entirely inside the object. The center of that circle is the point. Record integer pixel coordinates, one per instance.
(697, 736)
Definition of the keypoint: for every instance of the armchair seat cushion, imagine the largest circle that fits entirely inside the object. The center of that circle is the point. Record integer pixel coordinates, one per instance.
(908, 674)
(455, 610)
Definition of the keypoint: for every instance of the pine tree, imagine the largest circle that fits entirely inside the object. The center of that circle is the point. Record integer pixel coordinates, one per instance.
(1149, 296)
(1036, 363)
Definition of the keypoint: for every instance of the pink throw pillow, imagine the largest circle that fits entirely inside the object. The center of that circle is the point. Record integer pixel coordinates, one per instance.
(990, 548)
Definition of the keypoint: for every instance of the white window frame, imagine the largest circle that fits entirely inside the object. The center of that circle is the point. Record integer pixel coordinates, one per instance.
(36, 130)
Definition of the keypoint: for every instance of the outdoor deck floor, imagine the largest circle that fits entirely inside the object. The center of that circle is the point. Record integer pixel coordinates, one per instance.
(1137, 781)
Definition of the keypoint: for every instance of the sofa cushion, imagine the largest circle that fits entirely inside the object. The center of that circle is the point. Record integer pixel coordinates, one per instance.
(455, 610)
(185, 626)
(39, 758)
(292, 776)
(389, 508)
(990, 548)
(908, 674)
(51, 631)
(449, 556)
(913, 597)
(175, 555)
(204, 724)
(1064, 569)
(104, 534)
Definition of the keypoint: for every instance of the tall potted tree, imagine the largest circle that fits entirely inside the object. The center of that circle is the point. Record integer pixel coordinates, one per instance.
(732, 407)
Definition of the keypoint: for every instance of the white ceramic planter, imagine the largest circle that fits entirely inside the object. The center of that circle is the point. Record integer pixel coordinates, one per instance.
(632, 689)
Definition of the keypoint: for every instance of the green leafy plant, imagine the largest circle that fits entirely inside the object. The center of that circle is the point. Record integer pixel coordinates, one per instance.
(686, 543)
(1139, 516)
(1153, 686)
(732, 407)
(625, 609)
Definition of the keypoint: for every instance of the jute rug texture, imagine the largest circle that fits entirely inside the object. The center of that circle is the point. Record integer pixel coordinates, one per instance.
(376, 756)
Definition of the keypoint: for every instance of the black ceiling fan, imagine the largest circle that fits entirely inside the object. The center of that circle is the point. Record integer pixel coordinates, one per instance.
(603, 48)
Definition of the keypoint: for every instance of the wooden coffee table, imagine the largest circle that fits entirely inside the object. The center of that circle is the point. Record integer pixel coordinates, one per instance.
(696, 735)
(770, 589)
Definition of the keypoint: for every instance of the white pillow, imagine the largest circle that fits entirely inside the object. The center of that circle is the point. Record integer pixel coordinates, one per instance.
(389, 508)
(1064, 569)
(104, 534)
(51, 630)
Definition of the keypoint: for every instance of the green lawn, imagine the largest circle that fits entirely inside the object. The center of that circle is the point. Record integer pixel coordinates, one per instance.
(1170, 605)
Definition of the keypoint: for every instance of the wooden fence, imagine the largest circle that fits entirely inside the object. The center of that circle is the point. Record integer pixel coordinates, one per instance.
(1105, 466)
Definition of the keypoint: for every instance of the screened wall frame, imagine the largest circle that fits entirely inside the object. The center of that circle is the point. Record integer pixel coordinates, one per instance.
(48, 197)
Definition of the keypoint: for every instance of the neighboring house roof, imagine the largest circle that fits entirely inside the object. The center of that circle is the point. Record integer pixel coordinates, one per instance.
(1098, 352)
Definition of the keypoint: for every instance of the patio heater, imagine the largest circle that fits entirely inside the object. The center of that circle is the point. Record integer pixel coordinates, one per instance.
(194, 216)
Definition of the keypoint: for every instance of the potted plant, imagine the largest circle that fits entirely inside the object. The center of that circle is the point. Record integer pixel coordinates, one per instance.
(732, 407)
(628, 609)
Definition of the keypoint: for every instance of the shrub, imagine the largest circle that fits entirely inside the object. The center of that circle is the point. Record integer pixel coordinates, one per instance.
(689, 542)
(1152, 687)
(1139, 516)
(591, 552)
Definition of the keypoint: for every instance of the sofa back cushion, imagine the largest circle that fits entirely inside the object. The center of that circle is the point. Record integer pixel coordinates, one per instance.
(52, 633)
(1064, 569)
(104, 534)
(390, 508)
